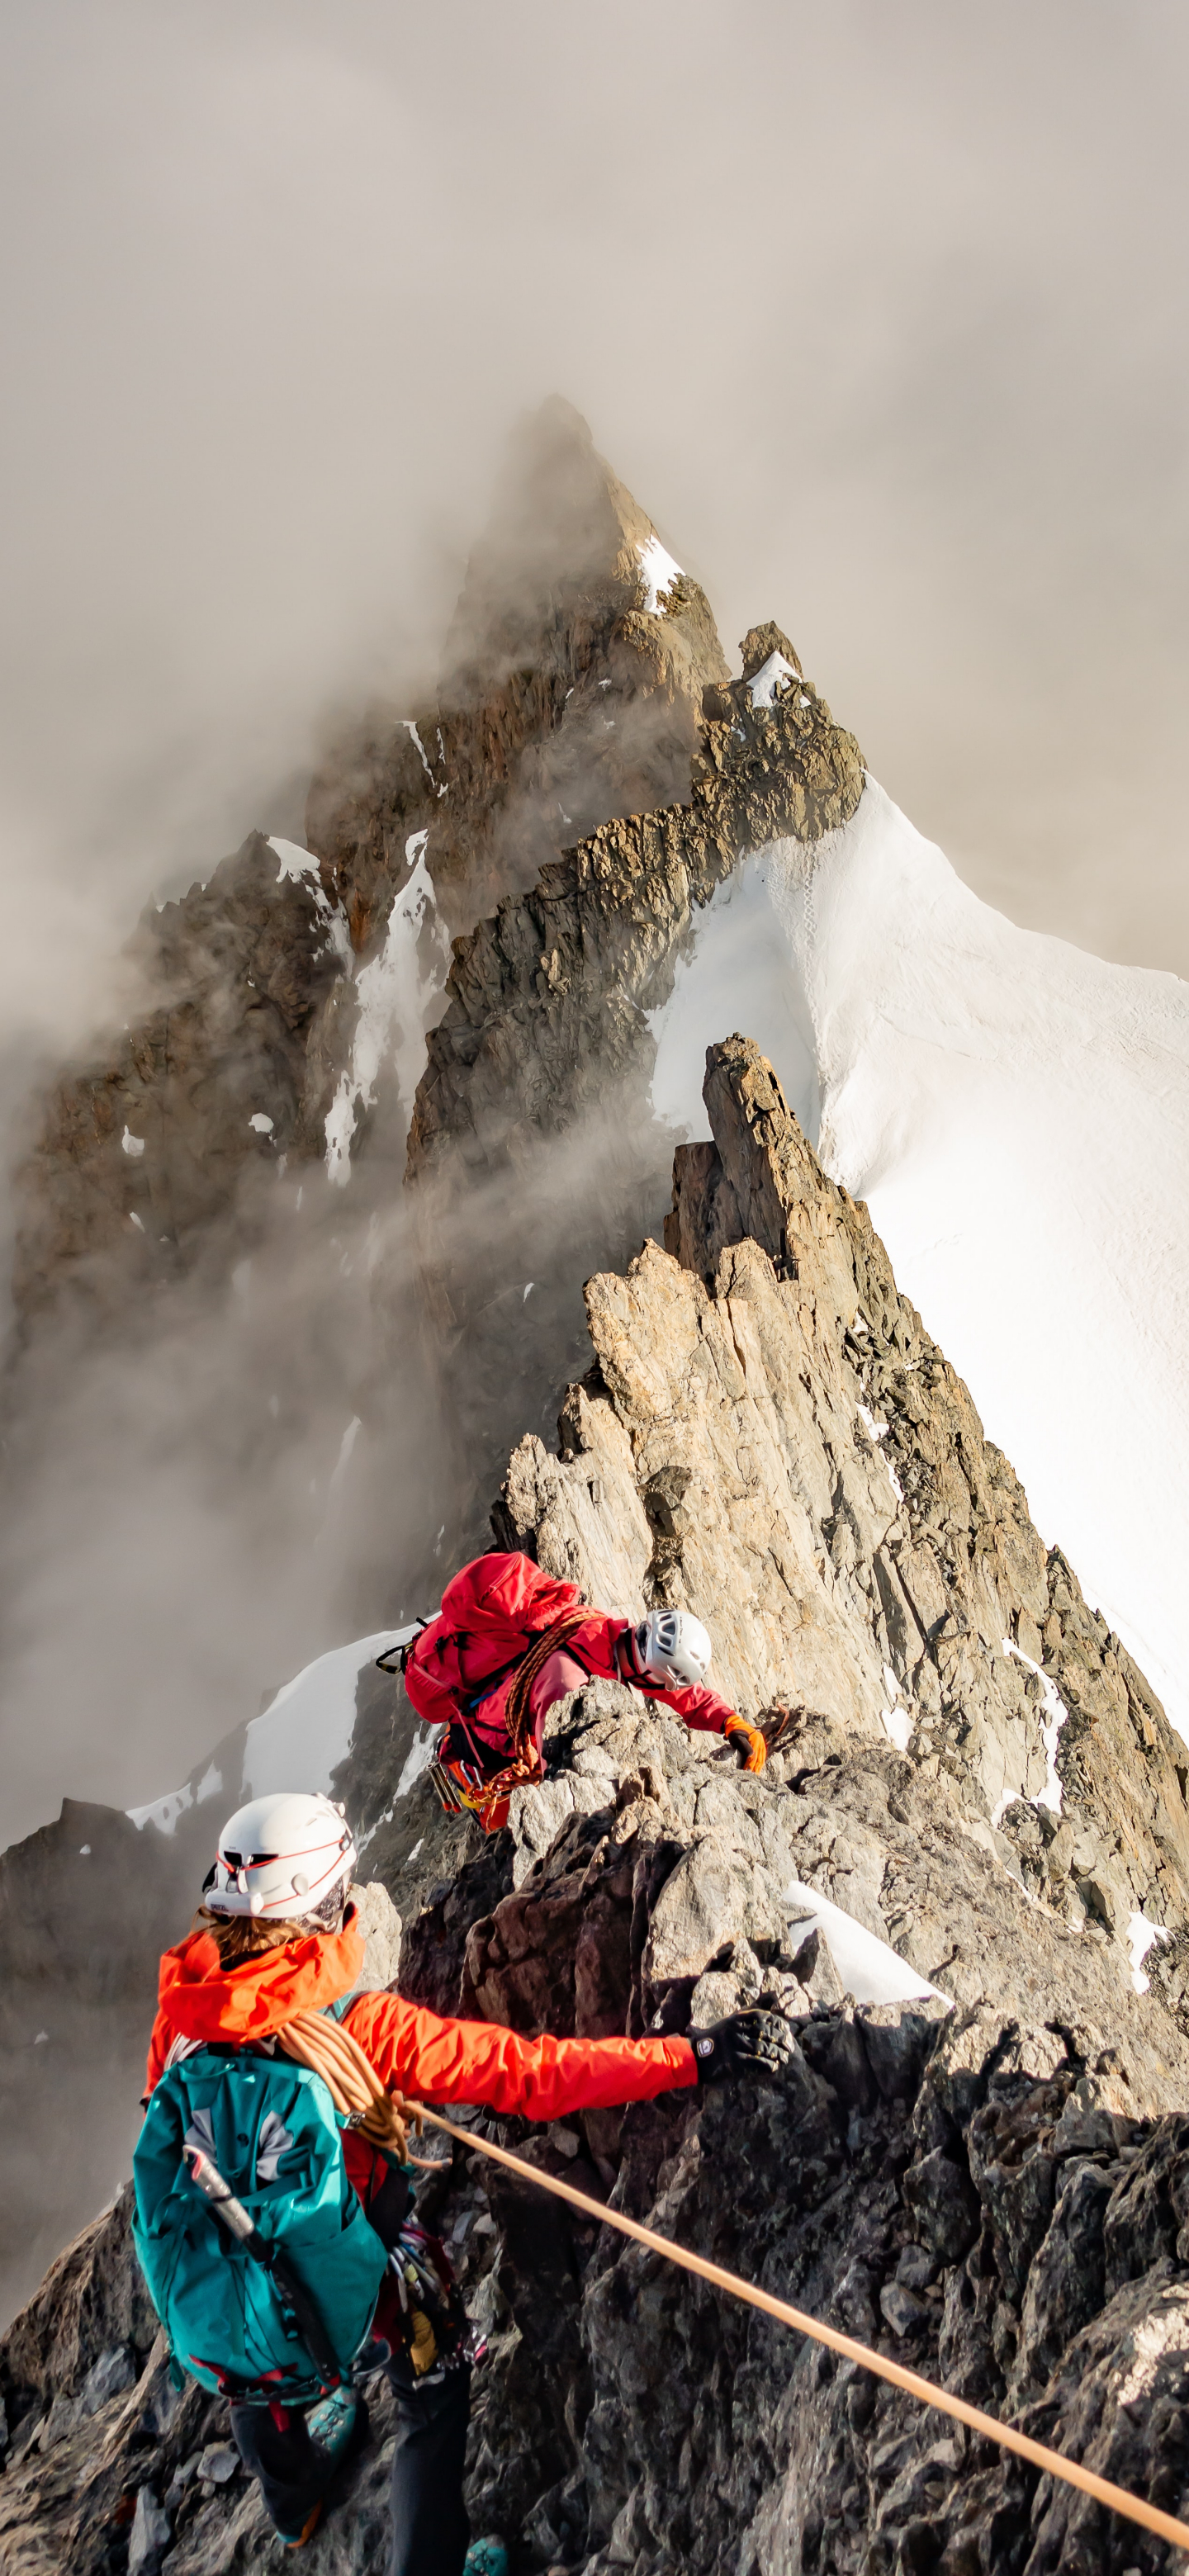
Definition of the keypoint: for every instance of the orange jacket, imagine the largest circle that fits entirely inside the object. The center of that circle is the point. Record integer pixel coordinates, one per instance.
(414, 2051)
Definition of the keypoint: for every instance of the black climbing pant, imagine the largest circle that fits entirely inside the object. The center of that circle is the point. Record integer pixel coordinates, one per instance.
(282, 2456)
(430, 2529)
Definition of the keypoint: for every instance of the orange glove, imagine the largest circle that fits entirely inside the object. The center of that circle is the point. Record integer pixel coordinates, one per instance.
(757, 1750)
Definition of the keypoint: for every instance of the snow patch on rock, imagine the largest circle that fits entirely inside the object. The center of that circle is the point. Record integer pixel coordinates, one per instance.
(870, 1969)
(1051, 1724)
(301, 867)
(398, 994)
(771, 680)
(1142, 1937)
(163, 1812)
(305, 1732)
(659, 573)
(414, 736)
(298, 1741)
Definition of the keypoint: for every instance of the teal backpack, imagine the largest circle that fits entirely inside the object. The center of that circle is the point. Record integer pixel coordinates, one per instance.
(270, 2128)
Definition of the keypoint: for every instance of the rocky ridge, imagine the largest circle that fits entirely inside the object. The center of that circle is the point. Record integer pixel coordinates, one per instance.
(572, 627)
(993, 2187)
(539, 1071)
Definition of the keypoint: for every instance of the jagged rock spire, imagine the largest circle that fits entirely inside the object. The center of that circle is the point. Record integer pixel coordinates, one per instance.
(779, 1446)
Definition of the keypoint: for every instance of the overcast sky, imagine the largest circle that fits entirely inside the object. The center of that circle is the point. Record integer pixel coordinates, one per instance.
(879, 309)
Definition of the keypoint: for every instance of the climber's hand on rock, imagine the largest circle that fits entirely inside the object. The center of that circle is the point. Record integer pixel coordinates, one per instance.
(739, 1733)
(746, 2043)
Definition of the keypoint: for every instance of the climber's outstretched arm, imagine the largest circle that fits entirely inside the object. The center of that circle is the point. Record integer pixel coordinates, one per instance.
(435, 2060)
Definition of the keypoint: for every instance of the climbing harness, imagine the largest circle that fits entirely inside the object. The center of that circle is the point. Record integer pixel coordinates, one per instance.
(461, 1783)
(431, 2326)
(1052, 2463)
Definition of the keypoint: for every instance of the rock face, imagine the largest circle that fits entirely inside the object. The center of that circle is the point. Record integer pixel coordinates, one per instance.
(142, 1156)
(786, 1452)
(85, 1905)
(546, 1002)
(990, 2180)
(572, 691)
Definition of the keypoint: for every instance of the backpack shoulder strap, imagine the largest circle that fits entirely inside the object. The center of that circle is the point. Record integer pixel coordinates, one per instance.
(395, 1659)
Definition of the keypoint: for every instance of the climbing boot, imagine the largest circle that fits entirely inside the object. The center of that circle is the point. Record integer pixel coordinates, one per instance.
(486, 2558)
(335, 2429)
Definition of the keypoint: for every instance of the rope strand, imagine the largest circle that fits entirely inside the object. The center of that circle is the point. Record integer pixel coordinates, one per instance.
(1052, 2463)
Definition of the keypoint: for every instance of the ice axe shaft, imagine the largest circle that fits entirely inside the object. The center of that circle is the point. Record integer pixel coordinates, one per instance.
(229, 2211)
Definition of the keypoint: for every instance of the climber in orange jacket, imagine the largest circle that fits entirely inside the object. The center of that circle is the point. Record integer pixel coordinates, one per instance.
(413, 2051)
(509, 1641)
(276, 1939)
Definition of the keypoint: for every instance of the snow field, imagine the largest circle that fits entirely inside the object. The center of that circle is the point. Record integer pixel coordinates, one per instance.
(1016, 1114)
(299, 1739)
(659, 573)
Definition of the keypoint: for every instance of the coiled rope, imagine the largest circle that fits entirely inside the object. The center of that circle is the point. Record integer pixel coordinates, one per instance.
(1116, 2499)
(351, 2080)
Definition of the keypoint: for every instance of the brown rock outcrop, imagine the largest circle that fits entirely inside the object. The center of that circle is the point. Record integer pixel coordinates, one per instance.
(786, 1451)
(141, 1157)
(546, 1001)
(566, 697)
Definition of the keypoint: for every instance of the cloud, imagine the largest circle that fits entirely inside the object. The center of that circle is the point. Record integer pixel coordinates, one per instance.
(879, 314)
(288, 1456)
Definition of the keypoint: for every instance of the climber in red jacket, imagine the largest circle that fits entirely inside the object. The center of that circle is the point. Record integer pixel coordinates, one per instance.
(508, 1642)
(272, 1953)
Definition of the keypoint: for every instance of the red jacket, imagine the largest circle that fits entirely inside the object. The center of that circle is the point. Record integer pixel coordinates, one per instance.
(414, 2051)
(491, 1611)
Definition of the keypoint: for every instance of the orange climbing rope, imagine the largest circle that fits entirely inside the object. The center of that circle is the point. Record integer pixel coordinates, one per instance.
(1116, 2499)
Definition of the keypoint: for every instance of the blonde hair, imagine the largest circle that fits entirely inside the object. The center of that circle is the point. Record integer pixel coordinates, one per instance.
(244, 1936)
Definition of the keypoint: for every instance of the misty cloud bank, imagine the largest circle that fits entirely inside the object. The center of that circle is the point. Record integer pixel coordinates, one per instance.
(282, 1458)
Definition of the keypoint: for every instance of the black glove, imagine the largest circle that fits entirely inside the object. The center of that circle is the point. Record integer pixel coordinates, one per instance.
(746, 2043)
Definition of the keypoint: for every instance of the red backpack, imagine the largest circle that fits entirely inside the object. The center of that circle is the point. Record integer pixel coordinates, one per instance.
(493, 1612)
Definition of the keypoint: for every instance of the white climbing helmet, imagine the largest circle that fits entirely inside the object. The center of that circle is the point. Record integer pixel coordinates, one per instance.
(673, 1646)
(281, 1857)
